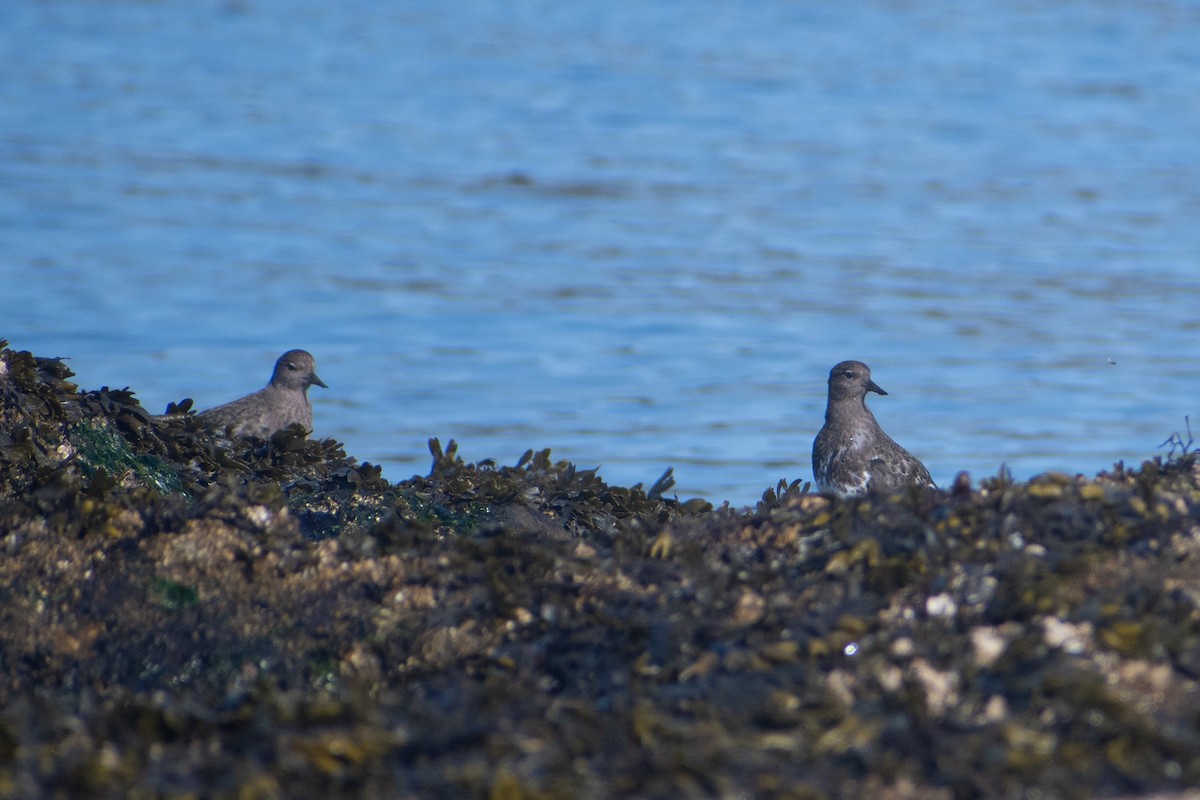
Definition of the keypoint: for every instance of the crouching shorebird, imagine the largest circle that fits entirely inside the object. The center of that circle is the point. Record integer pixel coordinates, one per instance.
(852, 454)
(282, 402)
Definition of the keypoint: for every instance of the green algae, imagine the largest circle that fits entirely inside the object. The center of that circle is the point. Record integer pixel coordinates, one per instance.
(100, 447)
(172, 595)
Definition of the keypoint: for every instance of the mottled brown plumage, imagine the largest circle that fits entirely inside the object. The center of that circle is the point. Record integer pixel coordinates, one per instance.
(282, 402)
(852, 454)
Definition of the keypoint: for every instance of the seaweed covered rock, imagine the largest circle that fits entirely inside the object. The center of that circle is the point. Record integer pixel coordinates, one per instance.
(270, 618)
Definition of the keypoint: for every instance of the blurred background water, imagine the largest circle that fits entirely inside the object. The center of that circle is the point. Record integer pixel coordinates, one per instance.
(638, 232)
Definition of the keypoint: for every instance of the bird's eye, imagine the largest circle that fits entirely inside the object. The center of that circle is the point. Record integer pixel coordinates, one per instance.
(848, 374)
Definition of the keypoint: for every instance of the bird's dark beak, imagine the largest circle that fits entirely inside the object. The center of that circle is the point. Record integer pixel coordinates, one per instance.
(312, 378)
(872, 386)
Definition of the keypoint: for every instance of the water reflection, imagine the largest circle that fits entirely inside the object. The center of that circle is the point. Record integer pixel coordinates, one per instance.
(637, 236)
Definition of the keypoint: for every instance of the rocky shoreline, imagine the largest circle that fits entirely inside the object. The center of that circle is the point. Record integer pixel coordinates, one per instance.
(184, 616)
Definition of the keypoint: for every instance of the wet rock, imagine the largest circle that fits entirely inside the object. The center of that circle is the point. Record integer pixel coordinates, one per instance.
(187, 615)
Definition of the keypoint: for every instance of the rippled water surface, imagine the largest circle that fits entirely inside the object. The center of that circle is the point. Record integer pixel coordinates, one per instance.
(638, 233)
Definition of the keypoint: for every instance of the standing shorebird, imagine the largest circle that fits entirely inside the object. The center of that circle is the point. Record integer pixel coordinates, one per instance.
(852, 454)
(282, 402)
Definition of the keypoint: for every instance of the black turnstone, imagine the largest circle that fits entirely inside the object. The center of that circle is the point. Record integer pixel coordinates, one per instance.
(282, 402)
(852, 454)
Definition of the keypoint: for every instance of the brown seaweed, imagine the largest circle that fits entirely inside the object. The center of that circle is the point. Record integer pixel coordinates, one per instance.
(184, 615)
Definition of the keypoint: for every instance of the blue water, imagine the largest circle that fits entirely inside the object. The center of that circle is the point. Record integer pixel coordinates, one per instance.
(638, 233)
